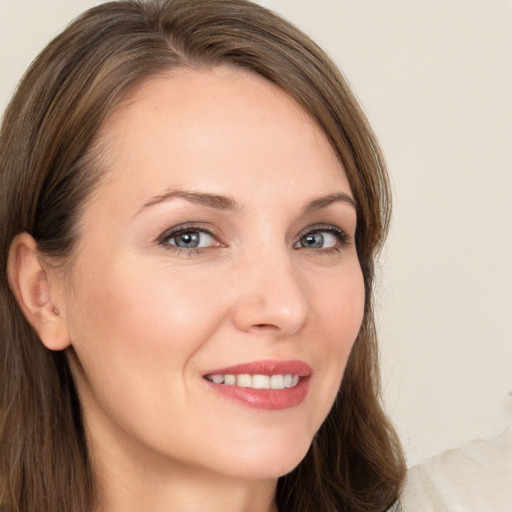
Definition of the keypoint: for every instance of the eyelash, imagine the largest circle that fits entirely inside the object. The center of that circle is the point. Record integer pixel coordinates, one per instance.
(342, 237)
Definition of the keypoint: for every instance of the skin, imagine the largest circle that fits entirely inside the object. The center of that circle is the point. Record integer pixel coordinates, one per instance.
(143, 320)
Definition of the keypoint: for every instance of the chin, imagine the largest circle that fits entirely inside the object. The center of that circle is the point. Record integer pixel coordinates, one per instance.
(266, 462)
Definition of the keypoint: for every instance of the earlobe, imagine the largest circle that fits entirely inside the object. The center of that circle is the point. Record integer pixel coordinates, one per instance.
(30, 284)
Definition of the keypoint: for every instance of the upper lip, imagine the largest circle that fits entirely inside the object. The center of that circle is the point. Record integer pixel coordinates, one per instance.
(266, 367)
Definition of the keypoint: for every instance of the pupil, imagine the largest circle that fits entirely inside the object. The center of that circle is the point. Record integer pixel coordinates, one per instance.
(313, 240)
(188, 240)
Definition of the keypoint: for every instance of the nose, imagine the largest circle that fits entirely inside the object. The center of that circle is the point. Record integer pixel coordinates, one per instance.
(271, 296)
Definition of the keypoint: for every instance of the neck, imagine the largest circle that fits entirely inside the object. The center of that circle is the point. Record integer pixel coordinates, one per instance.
(196, 492)
(130, 481)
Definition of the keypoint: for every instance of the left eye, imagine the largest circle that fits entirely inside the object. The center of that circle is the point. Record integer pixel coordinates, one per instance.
(190, 239)
(318, 240)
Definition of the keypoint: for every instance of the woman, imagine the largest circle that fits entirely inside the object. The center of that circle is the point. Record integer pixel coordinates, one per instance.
(192, 202)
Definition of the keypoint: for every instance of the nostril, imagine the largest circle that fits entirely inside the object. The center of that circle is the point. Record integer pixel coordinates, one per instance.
(266, 326)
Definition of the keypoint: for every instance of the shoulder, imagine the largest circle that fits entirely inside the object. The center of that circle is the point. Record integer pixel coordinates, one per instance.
(474, 477)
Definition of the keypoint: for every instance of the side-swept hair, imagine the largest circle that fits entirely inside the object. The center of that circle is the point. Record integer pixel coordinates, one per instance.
(48, 168)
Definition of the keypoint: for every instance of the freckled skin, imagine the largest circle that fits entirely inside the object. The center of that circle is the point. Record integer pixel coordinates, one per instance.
(147, 320)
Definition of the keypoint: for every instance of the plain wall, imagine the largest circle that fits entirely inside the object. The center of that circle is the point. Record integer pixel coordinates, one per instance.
(435, 79)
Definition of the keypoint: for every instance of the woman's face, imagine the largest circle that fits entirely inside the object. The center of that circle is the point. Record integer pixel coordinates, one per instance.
(216, 257)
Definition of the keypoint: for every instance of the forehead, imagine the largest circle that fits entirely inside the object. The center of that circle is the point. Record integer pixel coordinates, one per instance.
(222, 127)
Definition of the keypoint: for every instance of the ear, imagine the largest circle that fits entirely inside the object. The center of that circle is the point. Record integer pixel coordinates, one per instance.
(30, 283)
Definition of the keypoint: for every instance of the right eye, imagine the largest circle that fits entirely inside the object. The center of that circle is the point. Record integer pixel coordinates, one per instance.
(188, 238)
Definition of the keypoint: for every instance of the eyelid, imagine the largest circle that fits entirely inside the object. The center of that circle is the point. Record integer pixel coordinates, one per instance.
(322, 227)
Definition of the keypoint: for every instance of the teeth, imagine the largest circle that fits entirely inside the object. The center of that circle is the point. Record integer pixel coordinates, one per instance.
(277, 382)
(230, 380)
(246, 380)
(287, 381)
(261, 382)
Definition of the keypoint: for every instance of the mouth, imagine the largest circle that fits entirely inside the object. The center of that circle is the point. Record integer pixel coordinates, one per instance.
(271, 385)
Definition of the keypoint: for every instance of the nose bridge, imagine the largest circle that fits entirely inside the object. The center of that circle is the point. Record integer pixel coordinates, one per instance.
(272, 291)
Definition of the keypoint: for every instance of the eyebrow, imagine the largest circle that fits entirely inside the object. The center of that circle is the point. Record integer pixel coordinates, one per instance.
(202, 198)
(324, 201)
(220, 202)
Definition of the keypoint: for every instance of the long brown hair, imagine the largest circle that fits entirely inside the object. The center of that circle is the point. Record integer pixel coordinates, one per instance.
(48, 168)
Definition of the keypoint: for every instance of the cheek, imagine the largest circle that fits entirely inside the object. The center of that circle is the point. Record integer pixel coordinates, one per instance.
(135, 330)
(169, 311)
(132, 323)
(339, 309)
(134, 296)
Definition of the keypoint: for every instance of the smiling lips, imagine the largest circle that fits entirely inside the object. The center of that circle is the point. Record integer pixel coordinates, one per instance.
(271, 385)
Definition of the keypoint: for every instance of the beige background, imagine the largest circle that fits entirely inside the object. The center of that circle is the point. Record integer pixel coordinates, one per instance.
(435, 78)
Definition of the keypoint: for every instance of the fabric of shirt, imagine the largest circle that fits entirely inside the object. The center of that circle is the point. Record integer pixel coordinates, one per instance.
(474, 478)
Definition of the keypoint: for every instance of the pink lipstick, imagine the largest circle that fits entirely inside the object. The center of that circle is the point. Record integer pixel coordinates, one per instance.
(270, 384)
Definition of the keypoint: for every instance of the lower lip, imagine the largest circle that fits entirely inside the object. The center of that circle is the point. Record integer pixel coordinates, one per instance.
(269, 399)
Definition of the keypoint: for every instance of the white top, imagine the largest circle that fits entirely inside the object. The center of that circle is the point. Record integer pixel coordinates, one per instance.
(474, 478)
